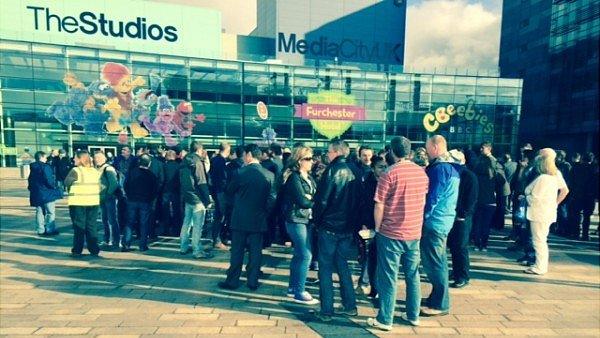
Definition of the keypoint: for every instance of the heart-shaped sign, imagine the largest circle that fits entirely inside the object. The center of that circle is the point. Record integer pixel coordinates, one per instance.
(330, 113)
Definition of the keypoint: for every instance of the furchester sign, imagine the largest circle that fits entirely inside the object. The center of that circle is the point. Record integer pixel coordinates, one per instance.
(442, 115)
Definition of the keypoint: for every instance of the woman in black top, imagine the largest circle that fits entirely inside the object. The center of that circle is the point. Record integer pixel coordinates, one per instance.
(298, 191)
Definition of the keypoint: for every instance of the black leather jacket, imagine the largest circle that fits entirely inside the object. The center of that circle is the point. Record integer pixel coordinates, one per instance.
(296, 205)
(336, 203)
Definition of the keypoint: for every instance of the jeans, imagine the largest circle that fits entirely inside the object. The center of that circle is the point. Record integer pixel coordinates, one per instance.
(137, 211)
(112, 233)
(539, 237)
(84, 228)
(171, 215)
(300, 235)
(368, 264)
(219, 217)
(435, 264)
(334, 252)
(458, 242)
(483, 218)
(44, 217)
(390, 253)
(193, 221)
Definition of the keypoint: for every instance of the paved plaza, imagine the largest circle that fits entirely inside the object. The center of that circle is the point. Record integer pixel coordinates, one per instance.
(44, 292)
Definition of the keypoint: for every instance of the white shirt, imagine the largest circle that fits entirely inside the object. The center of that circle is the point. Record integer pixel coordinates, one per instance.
(541, 196)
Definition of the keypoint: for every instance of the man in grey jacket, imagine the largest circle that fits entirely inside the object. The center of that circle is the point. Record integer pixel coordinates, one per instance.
(109, 187)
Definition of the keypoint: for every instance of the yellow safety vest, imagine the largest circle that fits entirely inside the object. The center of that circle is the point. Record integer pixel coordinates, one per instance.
(86, 190)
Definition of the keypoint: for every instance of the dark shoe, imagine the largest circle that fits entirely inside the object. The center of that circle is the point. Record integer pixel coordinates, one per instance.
(253, 287)
(460, 284)
(43, 234)
(76, 255)
(52, 233)
(95, 255)
(322, 317)
(346, 312)
(523, 259)
(143, 249)
(225, 286)
(124, 249)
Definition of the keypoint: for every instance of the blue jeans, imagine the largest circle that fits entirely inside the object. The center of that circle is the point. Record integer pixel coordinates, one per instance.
(44, 218)
(390, 253)
(112, 233)
(137, 211)
(192, 221)
(435, 263)
(300, 235)
(334, 252)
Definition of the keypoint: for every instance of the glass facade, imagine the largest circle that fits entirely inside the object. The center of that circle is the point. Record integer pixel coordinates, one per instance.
(227, 93)
(553, 47)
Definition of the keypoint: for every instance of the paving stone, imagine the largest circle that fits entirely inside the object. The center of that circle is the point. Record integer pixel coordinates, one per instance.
(63, 330)
(199, 330)
(17, 330)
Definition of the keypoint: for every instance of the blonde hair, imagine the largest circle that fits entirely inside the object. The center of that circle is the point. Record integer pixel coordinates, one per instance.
(84, 159)
(545, 162)
(294, 161)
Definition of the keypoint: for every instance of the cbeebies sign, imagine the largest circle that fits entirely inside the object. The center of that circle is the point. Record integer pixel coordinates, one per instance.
(135, 26)
(432, 121)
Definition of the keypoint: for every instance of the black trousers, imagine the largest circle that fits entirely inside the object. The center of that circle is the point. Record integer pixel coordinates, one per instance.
(84, 228)
(580, 212)
(458, 242)
(483, 218)
(240, 241)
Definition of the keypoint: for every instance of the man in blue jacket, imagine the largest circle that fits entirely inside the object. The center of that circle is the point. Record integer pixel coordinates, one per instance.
(440, 212)
(43, 194)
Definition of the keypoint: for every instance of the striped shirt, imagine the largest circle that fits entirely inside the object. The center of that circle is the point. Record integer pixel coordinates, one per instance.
(402, 191)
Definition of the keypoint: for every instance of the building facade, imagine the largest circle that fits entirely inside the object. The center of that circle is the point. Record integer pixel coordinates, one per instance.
(553, 47)
(55, 94)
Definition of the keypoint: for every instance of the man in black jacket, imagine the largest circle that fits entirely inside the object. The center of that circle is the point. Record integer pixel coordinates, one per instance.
(170, 202)
(141, 190)
(194, 192)
(218, 179)
(254, 197)
(334, 211)
(458, 239)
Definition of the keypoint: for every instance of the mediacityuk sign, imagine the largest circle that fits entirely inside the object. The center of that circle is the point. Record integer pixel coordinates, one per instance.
(308, 111)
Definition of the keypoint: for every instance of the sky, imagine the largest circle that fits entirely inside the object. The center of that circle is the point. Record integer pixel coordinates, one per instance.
(440, 34)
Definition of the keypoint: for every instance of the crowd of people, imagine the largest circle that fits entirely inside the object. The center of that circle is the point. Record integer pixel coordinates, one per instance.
(397, 208)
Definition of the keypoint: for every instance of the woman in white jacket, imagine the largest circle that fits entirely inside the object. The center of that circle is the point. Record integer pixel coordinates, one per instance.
(544, 195)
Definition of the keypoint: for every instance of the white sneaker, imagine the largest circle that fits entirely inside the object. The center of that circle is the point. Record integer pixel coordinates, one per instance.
(412, 322)
(306, 299)
(372, 322)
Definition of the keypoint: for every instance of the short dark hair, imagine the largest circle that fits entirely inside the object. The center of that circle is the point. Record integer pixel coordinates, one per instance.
(487, 144)
(276, 149)
(364, 147)
(38, 155)
(376, 160)
(62, 151)
(239, 151)
(254, 150)
(195, 146)
(589, 157)
(400, 146)
(144, 160)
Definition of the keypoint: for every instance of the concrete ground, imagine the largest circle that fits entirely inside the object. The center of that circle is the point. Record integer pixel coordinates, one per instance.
(43, 292)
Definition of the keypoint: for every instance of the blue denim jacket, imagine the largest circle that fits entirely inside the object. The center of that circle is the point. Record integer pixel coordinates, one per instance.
(440, 206)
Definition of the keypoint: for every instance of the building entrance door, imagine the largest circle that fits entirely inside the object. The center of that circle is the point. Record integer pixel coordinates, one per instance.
(105, 149)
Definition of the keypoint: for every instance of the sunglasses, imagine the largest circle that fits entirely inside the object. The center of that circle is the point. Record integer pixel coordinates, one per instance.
(306, 159)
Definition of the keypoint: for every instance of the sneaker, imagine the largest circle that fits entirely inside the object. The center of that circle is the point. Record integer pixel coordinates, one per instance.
(533, 271)
(527, 263)
(306, 299)
(415, 322)
(427, 312)
(372, 322)
(288, 244)
(204, 255)
(343, 311)
(484, 249)
(322, 317)
(221, 246)
(290, 293)
(312, 281)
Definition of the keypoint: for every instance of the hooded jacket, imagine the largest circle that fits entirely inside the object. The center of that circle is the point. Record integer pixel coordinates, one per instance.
(442, 198)
(41, 185)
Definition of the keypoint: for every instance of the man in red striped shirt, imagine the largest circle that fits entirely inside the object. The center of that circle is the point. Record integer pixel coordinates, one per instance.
(399, 207)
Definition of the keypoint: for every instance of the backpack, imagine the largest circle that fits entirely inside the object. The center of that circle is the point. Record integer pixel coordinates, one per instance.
(119, 191)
